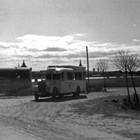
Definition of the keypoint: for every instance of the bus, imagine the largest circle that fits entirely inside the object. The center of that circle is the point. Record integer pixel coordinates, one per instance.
(61, 80)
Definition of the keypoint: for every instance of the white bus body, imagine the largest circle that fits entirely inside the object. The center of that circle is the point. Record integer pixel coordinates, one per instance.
(60, 80)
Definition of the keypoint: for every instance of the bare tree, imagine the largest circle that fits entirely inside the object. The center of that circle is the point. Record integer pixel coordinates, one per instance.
(103, 66)
(121, 61)
(134, 64)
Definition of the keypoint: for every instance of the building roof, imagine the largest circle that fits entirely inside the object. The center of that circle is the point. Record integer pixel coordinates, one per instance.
(59, 69)
(72, 67)
(23, 64)
(16, 68)
(80, 63)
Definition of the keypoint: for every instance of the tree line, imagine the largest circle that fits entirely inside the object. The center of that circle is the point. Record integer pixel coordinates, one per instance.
(128, 63)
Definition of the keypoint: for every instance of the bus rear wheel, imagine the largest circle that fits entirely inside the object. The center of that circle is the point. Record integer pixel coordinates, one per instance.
(36, 96)
(77, 93)
(61, 95)
(55, 93)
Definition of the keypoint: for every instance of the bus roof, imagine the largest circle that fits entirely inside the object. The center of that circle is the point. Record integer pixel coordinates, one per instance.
(68, 67)
(57, 69)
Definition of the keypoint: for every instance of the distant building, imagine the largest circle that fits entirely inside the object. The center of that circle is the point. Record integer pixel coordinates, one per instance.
(23, 64)
(80, 63)
(21, 72)
(15, 79)
(18, 72)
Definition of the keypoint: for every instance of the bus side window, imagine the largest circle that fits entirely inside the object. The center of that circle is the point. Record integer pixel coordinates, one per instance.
(78, 76)
(62, 75)
(69, 76)
(75, 74)
(84, 75)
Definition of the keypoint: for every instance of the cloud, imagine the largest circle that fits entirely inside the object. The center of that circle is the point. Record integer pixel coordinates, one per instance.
(7, 45)
(43, 42)
(134, 25)
(54, 49)
(41, 51)
(136, 40)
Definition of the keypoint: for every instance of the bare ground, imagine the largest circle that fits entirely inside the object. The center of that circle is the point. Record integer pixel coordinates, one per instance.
(91, 116)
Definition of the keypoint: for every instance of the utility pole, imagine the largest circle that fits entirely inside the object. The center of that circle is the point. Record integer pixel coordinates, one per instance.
(87, 67)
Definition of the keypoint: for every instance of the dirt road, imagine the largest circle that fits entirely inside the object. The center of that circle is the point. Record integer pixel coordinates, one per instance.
(69, 118)
(11, 133)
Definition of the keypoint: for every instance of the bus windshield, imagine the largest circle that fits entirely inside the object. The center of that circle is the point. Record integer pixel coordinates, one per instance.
(53, 76)
(48, 76)
(56, 76)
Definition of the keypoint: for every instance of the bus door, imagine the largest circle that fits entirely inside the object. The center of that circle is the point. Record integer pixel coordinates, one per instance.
(67, 82)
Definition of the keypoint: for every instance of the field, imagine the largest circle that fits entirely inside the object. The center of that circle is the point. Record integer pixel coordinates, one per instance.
(22, 87)
(87, 117)
(18, 87)
(97, 84)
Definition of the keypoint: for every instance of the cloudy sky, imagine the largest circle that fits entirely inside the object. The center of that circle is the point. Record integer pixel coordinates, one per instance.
(52, 32)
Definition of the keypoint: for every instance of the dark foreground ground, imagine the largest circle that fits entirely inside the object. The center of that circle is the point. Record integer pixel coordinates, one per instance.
(88, 117)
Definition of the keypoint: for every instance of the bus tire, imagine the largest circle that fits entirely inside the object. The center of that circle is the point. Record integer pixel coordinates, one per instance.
(36, 96)
(78, 91)
(55, 93)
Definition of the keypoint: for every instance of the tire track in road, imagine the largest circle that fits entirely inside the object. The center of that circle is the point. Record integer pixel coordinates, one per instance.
(14, 101)
(39, 128)
(49, 119)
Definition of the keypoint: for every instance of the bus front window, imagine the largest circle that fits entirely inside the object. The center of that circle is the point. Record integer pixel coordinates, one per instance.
(56, 76)
(48, 76)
